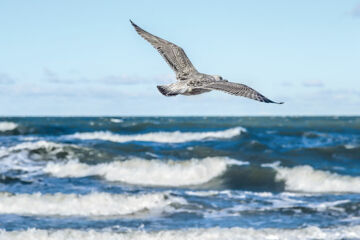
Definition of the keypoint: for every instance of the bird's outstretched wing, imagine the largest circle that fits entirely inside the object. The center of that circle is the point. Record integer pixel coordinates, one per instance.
(238, 89)
(173, 54)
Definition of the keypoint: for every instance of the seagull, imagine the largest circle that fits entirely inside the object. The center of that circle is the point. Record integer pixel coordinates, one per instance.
(189, 80)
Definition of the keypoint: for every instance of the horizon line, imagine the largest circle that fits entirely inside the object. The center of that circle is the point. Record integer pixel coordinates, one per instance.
(106, 116)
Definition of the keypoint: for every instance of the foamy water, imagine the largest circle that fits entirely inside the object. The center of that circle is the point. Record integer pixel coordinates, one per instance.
(147, 172)
(307, 179)
(173, 178)
(48, 146)
(116, 120)
(18, 157)
(7, 126)
(94, 204)
(351, 232)
(161, 137)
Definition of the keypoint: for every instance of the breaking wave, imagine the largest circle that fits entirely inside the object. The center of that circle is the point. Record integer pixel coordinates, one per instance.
(48, 146)
(23, 158)
(7, 126)
(161, 137)
(116, 120)
(38, 147)
(94, 204)
(236, 233)
(147, 172)
(307, 179)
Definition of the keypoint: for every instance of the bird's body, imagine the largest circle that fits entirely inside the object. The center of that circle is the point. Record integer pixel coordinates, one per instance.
(191, 85)
(189, 80)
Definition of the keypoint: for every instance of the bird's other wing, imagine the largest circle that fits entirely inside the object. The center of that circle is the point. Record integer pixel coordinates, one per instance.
(238, 89)
(173, 54)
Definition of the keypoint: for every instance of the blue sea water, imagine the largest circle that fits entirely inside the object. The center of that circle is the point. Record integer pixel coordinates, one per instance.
(180, 178)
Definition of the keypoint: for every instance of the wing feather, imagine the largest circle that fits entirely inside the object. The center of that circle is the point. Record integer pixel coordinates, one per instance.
(173, 54)
(238, 89)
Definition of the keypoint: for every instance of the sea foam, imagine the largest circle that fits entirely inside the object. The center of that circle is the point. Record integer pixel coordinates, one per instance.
(161, 137)
(21, 158)
(147, 172)
(116, 120)
(49, 146)
(236, 233)
(307, 179)
(94, 204)
(7, 126)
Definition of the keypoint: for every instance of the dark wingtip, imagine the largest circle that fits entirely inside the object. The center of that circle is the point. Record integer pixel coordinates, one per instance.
(132, 23)
(162, 90)
(277, 102)
(269, 101)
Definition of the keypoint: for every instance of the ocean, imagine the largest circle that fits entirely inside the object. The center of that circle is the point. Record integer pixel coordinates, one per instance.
(180, 178)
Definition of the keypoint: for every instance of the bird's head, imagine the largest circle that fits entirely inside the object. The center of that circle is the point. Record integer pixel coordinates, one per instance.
(218, 78)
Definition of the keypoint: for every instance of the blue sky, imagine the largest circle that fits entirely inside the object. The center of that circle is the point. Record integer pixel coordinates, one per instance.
(84, 57)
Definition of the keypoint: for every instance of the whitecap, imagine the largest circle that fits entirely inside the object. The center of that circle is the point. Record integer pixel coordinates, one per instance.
(323, 206)
(147, 172)
(351, 146)
(116, 120)
(161, 137)
(94, 204)
(271, 165)
(7, 126)
(209, 193)
(18, 157)
(307, 179)
(49, 146)
(236, 233)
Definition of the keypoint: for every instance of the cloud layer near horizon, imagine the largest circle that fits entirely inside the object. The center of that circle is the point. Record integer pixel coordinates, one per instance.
(55, 95)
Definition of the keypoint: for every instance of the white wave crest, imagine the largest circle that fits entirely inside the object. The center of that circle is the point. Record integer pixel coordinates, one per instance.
(18, 157)
(307, 179)
(161, 137)
(236, 233)
(208, 193)
(351, 146)
(94, 204)
(49, 146)
(116, 120)
(7, 126)
(147, 172)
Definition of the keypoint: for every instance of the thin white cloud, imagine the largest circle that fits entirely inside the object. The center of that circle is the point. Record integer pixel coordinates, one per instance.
(122, 79)
(332, 96)
(6, 79)
(133, 79)
(287, 84)
(356, 11)
(52, 77)
(96, 91)
(313, 83)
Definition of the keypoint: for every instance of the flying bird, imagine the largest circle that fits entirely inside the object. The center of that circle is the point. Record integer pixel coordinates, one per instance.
(189, 80)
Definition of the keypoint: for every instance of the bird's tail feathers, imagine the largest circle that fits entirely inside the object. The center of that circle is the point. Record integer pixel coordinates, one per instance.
(166, 91)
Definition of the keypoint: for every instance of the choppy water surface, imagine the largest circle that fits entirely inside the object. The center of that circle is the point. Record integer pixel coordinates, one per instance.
(180, 178)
